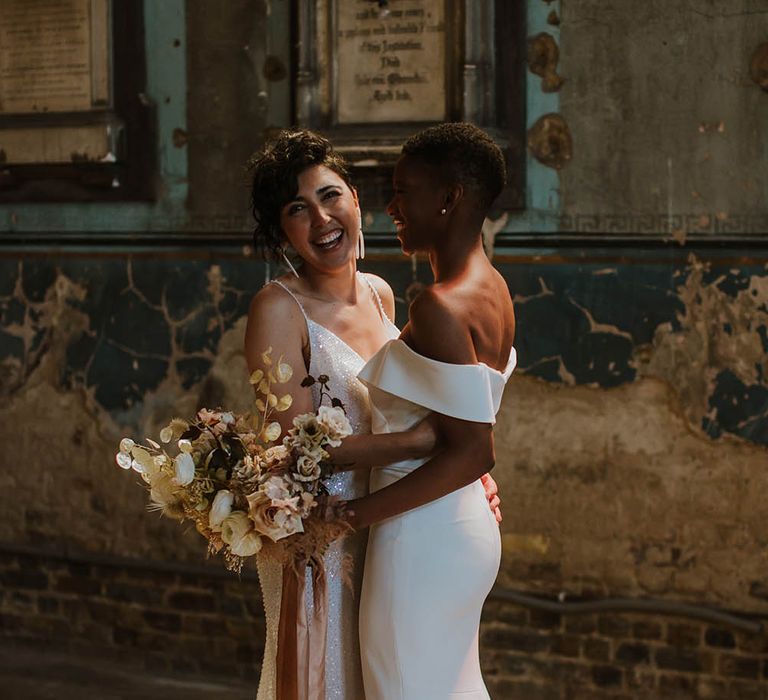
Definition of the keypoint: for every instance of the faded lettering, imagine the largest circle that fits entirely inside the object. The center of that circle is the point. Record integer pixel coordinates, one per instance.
(390, 67)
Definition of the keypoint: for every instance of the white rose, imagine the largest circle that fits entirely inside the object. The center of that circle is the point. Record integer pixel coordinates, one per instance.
(185, 469)
(276, 456)
(314, 452)
(220, 509)
(272, 520)
(307, 469)
(334, 423)
(248, 545)
(237, 532)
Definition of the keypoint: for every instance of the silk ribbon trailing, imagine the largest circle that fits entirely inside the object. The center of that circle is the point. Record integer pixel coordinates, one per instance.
(301, 639)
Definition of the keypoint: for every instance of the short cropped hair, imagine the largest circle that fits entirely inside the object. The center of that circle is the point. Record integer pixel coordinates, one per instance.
(275, 174)
(463, 154)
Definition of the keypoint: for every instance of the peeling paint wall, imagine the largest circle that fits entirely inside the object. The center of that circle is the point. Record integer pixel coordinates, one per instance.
(92, 350)
(633, 440)
(654, 403)
(648, 380)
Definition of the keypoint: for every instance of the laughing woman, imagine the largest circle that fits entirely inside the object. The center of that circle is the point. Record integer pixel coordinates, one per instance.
(434, 548)
(323, 317)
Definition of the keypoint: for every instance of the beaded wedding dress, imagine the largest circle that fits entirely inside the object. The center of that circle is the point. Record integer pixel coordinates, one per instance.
(330, 355)
(429, 570)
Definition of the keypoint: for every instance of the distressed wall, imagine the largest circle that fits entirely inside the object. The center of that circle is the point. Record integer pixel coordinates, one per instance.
(643, 365)
(666, 118)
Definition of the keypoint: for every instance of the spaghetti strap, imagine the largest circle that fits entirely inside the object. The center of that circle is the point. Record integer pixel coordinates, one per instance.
(377, 297)
(293, 296)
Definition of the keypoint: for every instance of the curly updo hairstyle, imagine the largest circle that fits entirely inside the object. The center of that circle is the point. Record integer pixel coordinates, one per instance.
(461, 153)
(274, 181)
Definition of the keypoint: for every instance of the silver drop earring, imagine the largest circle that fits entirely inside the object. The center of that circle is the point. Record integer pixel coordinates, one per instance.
(360, 245)
(288, 263)
(360, 241)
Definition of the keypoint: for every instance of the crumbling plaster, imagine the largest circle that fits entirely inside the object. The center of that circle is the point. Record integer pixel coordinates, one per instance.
(626, 494)
(609, 491)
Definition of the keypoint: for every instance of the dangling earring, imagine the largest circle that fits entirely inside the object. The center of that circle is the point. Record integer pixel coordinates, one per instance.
(288, 263)
(360, 241)
(360, 245)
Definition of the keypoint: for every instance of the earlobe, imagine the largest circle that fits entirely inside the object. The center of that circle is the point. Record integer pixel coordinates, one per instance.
(452, 198)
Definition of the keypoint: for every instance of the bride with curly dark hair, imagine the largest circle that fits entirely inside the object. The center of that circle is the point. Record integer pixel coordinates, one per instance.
(324, 317)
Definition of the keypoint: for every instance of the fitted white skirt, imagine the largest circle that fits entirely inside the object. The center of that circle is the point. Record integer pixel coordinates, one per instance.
(427, 574)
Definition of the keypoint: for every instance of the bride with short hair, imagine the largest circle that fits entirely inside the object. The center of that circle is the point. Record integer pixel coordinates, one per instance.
(434, 548)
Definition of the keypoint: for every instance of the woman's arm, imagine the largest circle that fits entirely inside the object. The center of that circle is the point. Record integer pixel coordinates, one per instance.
(467, 447)
(274, 320)
(466, 457)
(379, 450)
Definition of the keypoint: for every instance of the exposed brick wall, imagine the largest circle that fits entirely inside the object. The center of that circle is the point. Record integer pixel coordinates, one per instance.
(200, 622)
(165, 620)
(534, 655)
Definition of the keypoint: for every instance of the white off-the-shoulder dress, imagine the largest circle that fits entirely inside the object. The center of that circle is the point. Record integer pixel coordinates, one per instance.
(429, 570)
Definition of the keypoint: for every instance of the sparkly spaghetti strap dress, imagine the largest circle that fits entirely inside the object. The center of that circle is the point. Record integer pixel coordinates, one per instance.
(330, 355)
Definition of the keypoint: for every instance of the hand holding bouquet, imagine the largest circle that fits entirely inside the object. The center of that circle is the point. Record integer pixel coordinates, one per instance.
(241, 488)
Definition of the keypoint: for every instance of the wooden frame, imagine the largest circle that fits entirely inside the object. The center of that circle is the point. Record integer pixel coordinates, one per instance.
(124, 115)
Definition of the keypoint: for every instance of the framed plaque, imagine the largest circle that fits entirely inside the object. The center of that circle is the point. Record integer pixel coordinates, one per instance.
(64, 110)
(390, 67)
(369, 73)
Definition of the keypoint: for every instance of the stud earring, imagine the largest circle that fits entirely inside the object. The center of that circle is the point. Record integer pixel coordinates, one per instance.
(288, 264)
(443, 211)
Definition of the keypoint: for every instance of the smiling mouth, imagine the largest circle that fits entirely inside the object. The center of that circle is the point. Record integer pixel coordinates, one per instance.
(330, 239)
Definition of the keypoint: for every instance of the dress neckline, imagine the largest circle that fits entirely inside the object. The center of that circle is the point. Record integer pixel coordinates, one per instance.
(511, 362)
(386, 321)
(337, 337)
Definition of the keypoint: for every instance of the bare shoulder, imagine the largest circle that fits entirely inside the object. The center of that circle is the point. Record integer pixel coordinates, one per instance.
(274, 320)
(385, 292)
(272, 302)
(437, 330)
